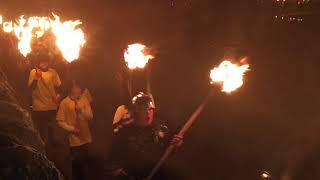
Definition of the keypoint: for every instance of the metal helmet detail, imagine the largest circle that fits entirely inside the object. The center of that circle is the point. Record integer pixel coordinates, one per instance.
(142, 100)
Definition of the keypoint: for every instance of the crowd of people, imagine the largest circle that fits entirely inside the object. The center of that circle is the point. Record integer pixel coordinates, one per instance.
(139, 139)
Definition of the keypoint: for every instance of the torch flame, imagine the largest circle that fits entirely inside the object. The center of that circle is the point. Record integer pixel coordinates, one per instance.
(69, 39)
(24, 35)
(7, 27)
(230, 75)
(136, 57)
(1, 19)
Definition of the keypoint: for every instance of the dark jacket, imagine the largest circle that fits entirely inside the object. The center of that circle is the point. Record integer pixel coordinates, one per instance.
(137, 149)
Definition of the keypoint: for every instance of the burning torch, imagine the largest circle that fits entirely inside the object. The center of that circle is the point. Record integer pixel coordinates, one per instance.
(230, 77)
(137, 57)
(68, 37)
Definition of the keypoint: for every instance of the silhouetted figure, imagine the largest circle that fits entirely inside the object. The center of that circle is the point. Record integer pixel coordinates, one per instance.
(139, 141)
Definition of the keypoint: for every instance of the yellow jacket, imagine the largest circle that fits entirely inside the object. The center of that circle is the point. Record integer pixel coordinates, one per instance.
(69, 120)
(42, 94)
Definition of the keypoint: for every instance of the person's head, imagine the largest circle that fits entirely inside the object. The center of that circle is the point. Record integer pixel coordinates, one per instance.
(43, 64)
(75, 91)
(144, 109)
(43, 60)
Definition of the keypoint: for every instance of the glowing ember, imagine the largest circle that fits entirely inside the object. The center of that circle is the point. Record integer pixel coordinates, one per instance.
(265, 175)
(136, 57)
(230, 75)
(69, 39)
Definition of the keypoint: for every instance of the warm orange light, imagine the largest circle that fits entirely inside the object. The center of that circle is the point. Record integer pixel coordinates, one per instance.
(7, 27)
(69, 38)
(230, 75)
(136, 57)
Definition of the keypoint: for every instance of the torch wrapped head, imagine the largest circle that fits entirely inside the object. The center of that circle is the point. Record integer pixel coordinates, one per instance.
(229, 75)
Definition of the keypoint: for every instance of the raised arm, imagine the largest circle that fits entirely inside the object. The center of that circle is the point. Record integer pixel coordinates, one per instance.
(86, 111)
(33, 78)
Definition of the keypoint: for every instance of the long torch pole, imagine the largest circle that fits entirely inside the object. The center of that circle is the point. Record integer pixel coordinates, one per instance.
(184, 129)
(130, 83)
(149, 91)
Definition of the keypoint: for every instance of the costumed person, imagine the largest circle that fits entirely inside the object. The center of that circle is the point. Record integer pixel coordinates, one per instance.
(44, 82)
(74, 116)
(139, 141)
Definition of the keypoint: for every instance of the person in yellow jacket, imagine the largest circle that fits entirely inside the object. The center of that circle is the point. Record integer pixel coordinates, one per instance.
(43, 82)
(74, 115)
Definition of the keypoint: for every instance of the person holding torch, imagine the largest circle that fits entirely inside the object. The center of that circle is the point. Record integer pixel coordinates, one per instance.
(136, 57)
(230, 76)
(44, 82)
(74, 116)
(139, 141)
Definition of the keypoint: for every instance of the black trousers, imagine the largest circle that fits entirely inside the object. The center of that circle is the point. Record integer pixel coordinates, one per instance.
(82, 162)
(44, 122)
(55, 139)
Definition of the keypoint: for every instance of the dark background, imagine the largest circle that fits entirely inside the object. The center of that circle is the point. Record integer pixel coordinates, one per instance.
(271, 123)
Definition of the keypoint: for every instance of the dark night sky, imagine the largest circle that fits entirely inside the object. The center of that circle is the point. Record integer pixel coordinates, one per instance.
(271, 123)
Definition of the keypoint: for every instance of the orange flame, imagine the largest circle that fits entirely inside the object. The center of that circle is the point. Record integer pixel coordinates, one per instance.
(24, 35)
(69, 39)
(136, 57)
(7, 27)
(230, 75)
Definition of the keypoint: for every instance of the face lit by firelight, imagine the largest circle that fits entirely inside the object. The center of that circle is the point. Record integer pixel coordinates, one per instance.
(144, 116)
(44, 65)
(76, 92)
